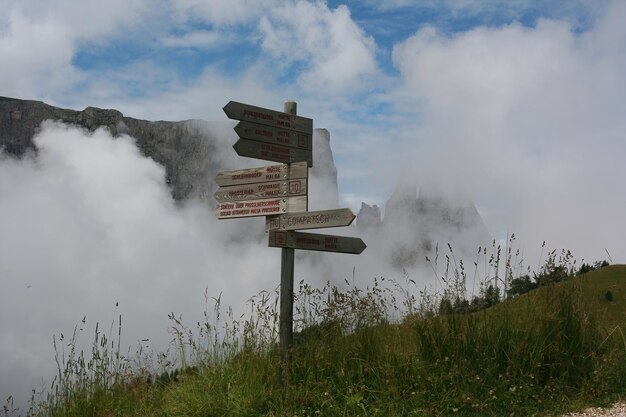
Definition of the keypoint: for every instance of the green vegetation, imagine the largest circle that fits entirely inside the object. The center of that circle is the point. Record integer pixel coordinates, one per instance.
(544, 351)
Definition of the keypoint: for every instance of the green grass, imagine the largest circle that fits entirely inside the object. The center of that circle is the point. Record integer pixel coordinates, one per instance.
(554, 349)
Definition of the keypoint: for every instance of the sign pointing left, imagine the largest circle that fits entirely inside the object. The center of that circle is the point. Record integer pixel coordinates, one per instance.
(246, 112)
(260, 207)
(270, 152)
(262, 174)
(261, 190)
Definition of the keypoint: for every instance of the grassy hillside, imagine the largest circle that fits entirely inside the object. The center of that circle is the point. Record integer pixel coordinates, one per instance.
(556, 348)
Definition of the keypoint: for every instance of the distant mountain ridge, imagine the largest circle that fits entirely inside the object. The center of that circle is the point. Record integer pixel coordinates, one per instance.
(186, 149)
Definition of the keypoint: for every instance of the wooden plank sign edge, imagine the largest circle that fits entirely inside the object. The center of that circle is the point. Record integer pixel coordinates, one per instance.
(310, 220)
(247, 112)
(262, 174)
(316, 242)
(274, 189)
(272, 152)
(261, 207)
(274, 135)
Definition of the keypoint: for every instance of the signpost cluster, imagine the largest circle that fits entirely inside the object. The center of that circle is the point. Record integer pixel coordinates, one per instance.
(280, 192)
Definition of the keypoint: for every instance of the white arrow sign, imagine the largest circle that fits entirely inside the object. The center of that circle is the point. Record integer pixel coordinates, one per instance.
(261, 207)
(262, 174)
(310, 220)
(287, 188)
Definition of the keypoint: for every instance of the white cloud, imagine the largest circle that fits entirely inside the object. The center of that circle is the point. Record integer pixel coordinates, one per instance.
(91, 224)
(88, 19)
(533, 116)
(507, 8)
(36, 56)
(223, 12)
(199, 39)
(335, 52)
(40, 40)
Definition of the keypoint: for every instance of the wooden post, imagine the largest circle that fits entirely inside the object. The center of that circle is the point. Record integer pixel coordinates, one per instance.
(285, 331)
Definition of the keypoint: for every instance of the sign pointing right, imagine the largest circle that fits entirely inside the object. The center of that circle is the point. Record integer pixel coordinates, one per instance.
(310, 220)
(315, 241)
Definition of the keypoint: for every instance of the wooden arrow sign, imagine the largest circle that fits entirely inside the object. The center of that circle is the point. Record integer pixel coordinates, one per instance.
(246, 112)
(274, 135)
(269, 152)
(262, 174)
(310, 220)
(261, 207)
(315, 241)
(287, 188)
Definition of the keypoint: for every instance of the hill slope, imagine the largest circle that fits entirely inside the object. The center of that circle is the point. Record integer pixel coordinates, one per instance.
(552, 350)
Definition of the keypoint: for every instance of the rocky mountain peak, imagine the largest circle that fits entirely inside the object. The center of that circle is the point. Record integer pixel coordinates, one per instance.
(368, 217)
(414, 223)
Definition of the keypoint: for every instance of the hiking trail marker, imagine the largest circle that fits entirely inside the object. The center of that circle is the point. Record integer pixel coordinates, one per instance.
(280, 192)
(315, 241)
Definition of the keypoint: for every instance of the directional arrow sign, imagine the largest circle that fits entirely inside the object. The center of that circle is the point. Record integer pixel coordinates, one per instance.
(246, 112)
(310, 220)
(262, 174)
(315, 241)
(261, 207)
(260, 190)
(269, 152)
(274, 135)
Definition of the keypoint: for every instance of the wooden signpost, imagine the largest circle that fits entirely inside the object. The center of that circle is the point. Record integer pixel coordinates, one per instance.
(280, 192)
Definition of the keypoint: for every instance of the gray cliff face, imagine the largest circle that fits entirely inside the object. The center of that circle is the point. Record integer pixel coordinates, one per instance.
(323, 178)
(368, 217)
(187, 149)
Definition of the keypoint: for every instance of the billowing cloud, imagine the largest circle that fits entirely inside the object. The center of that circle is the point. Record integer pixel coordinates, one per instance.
(223, 12)
(334, 51)
(36, 56)
(199, 39)
(41, 39)
(89, 223)
(533, 116)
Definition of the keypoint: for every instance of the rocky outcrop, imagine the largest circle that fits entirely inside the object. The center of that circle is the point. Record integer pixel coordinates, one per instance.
(187, 149)
(323, 175)
(414, 224)
(368, 217)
